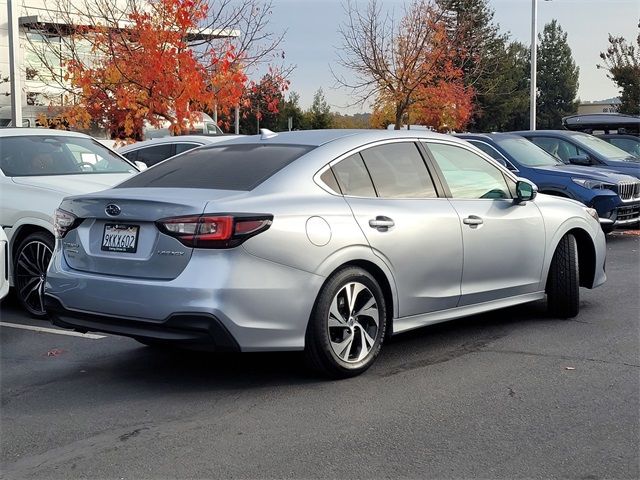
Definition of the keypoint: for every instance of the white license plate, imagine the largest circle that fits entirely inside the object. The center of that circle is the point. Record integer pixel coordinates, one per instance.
(120, 238)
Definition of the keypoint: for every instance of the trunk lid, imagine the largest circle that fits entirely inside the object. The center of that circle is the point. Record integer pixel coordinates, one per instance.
(127, 241)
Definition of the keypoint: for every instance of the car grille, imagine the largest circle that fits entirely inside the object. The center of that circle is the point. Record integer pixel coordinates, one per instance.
(628, 214)
(629, 191)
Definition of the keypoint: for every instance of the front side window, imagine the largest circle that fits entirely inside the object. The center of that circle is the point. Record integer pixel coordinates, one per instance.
(353, 178)
(41, 155)
(467, 174)
(398, 171)
(557, 147)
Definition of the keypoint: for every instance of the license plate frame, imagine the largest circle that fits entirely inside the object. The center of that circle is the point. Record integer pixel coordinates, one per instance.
(122, 246)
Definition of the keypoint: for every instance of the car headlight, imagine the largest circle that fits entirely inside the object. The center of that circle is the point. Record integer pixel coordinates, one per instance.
(594, 184)
(592, 212)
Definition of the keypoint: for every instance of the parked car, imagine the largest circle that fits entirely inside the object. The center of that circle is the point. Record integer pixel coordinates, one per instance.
(38, 168)
(327, 241)
(616, 197)
(156, 150)
(628, 143)
(4, 265)
(583, 149)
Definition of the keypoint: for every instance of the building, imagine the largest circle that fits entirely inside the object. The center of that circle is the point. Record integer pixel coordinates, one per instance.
(609, 105)
(42, 25)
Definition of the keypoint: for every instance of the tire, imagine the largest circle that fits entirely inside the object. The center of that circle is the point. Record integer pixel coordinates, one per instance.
(30, 264)
(343, 339)
(563, 282)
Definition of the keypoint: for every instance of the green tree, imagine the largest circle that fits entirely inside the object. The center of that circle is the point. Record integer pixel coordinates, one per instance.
(481, 50)
(290, 108)
(504, 105)
(320, 113)
(622, 62)
(557, 78)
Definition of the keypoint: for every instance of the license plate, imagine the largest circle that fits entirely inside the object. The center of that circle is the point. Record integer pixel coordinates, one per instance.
(120, 238)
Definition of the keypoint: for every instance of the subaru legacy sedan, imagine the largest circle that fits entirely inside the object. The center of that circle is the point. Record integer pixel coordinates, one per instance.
(322, 241)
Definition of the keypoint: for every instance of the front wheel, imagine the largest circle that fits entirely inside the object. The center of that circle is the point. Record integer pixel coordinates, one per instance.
(348, 324)
(563, 281)
(29, 270)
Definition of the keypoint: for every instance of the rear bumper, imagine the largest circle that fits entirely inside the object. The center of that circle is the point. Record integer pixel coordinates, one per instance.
(196, 330)
(263, 305)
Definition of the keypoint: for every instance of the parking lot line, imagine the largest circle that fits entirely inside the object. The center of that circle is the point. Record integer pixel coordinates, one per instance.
(53, 330)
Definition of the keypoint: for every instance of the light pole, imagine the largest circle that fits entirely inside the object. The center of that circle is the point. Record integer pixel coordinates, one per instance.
(14, 71)
(534, 34)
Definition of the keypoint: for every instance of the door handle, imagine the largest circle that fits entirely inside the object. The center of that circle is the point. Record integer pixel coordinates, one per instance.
(473, 221)
(381, 223)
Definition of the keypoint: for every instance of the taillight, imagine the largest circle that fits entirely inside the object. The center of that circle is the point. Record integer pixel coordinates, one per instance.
(214, 231)
(63, 222)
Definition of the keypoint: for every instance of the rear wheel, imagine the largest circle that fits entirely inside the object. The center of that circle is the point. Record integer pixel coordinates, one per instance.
(563, 282)
(29, 270)
(348, 324)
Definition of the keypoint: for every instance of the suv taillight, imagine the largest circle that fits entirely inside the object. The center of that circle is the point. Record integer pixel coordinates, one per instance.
(63, 222)
(214, 231)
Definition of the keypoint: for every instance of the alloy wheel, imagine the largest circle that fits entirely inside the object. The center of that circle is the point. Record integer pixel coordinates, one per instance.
(30, 271)
(353, 322)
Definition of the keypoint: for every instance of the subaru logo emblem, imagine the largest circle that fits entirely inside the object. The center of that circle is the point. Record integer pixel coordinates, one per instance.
(112, 210)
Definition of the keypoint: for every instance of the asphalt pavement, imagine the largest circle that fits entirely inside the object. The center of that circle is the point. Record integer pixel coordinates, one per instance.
(508, 394)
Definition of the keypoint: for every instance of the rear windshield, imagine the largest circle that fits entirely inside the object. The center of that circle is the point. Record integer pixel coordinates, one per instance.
(224, 167)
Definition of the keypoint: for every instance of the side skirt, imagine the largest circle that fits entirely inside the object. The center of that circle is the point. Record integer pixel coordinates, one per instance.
(416, 321)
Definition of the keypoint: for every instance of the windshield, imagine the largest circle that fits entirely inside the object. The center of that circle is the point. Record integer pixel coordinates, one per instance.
(603, 148)
(526, 153)
(40, 155)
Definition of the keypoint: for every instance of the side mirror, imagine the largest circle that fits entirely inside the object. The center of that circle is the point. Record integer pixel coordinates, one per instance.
(525, 191)
(141, 165)
(581, 159)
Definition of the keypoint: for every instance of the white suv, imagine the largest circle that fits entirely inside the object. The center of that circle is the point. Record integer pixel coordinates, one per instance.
(38, 168)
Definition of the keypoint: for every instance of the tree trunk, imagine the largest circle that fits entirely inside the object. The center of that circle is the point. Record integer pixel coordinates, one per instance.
(399, 113)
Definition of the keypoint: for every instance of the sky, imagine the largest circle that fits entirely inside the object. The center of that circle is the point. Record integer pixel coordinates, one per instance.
(311, 38)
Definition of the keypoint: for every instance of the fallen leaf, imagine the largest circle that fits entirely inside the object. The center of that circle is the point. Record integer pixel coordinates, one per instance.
(55, 352)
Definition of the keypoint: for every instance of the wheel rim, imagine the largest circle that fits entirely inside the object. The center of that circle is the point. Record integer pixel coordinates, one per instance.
(31, 269)
(353, 322)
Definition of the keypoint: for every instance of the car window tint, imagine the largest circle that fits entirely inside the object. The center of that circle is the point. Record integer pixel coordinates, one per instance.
(58, 155)
(469, 175)
(557, 147)
(493, 153)
(626, 144)
(185, 147)
(330, 181)
(353, 177)
(132, 156)
(228, 167)
(398, 171)
(155, 154)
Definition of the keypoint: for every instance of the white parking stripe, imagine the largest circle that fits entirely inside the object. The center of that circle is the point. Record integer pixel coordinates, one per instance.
(52, 330)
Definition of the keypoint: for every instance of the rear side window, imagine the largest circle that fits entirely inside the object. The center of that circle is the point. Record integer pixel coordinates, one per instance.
(398, 171)
(185, 147)
(353, 177)
(155, 154)
(229, 167)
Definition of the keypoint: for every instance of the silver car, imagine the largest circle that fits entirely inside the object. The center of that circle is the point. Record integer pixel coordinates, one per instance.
(323, 241)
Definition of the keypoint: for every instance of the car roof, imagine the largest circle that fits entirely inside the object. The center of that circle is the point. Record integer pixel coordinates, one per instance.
(30, 132)
(562, 133)
(489, 136)
(318, 138)
(201, 139)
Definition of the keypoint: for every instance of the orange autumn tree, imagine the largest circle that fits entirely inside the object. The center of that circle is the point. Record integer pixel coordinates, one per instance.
(144, 71)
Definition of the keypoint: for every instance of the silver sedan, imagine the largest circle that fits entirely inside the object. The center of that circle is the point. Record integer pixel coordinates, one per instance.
(322, 241)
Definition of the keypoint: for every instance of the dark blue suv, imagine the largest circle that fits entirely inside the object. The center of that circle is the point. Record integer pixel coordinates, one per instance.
(579, 148)
(595, 187)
